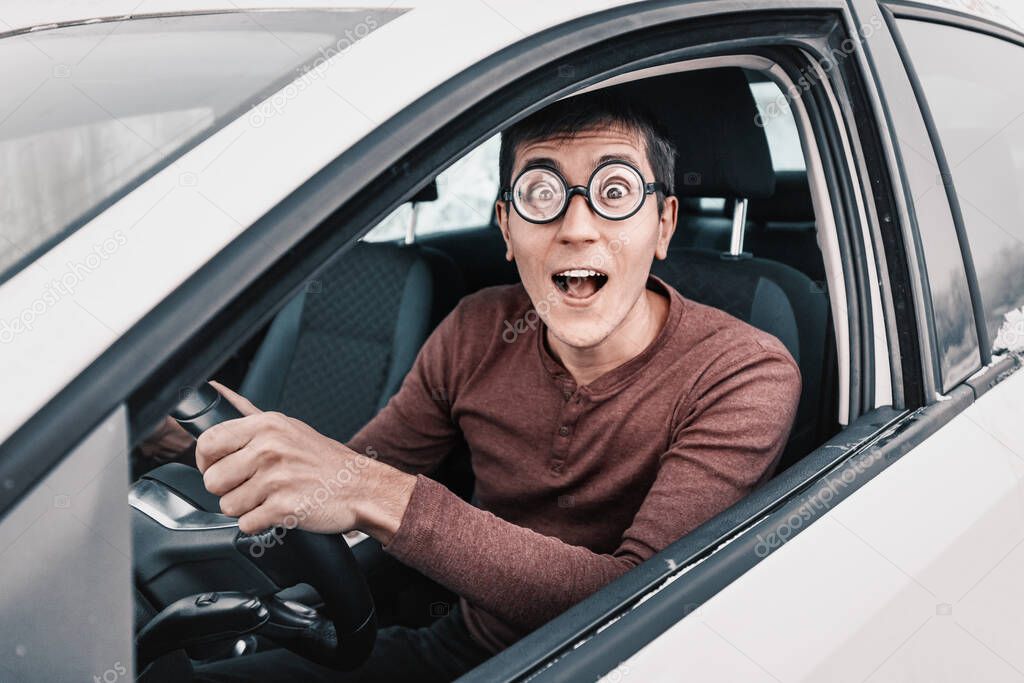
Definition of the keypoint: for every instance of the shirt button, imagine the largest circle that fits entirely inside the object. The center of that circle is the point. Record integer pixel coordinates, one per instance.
(568, 395)
(563, 430)
(556, 466)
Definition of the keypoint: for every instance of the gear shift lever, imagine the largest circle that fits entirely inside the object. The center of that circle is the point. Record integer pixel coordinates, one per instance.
(203, 408)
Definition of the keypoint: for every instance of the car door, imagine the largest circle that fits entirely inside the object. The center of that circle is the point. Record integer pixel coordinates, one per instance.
(913, 573)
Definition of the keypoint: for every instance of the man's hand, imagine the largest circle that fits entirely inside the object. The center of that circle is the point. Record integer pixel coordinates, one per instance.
(270, 469)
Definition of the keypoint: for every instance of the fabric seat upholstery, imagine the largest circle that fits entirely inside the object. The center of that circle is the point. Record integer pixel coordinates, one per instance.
(337, 352)
(772, 297)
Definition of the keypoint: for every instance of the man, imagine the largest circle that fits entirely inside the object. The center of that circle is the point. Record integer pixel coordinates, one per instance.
(606, 415)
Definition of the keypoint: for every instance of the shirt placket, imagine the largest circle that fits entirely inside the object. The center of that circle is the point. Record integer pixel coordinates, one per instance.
(568, 416)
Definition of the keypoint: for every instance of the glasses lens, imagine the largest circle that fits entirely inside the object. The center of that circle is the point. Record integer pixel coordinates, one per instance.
(538, 195)
(616, 190)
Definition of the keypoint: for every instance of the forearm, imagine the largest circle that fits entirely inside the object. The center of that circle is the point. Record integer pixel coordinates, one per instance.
(515, 573)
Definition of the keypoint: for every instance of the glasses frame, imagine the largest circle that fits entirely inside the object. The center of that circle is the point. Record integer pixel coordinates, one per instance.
(570, 190)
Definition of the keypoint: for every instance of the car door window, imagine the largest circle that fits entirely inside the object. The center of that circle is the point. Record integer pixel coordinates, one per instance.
(971, 83)
(466, 191)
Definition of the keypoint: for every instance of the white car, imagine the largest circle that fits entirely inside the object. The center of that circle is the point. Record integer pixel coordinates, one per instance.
(288, 199)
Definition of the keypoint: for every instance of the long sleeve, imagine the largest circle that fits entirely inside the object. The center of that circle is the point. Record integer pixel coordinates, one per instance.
(727, 439)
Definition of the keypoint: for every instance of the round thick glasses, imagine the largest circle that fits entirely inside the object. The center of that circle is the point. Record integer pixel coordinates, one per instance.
(616, 190)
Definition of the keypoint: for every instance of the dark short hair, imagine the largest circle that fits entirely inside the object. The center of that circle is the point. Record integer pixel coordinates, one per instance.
(598, 109)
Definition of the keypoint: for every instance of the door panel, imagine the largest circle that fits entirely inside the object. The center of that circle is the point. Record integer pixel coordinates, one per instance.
(910, 578)
(65, 568)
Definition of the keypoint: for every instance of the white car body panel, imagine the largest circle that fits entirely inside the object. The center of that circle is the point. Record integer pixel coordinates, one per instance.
(66, 571)
(181, 217)
(908, 579)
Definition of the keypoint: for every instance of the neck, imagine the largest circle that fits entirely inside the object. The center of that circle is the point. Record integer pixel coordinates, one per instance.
(638, 329)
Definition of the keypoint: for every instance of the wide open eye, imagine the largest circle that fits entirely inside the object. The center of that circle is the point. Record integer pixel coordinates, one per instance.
(616, 190)
(539, 194)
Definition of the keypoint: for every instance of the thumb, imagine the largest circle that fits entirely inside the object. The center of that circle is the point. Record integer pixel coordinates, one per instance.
(244, 405)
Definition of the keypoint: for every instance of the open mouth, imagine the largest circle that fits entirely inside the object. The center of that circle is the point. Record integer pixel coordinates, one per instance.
(579, 283)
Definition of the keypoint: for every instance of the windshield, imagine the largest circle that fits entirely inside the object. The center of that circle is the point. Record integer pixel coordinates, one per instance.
(91, 110)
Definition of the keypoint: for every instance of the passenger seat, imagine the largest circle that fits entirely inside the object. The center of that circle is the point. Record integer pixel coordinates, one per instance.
(338, 351)
(722, 152)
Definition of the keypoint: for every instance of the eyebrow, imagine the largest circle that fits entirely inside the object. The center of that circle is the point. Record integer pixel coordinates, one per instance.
(618, 157)
(548, 161)
(542, 161)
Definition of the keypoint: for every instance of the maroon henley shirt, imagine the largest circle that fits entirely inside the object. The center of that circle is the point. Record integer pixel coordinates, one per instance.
(575, 484)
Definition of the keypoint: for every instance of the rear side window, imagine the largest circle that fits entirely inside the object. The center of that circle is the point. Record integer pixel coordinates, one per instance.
(972, 84)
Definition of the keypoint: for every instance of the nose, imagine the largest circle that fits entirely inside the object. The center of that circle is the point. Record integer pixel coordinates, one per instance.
(579, 224)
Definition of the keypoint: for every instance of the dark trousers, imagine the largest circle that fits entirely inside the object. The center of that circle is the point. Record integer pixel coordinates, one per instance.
(440, 652)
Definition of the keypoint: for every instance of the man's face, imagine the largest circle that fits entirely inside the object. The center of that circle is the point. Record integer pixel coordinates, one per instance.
(583, 310)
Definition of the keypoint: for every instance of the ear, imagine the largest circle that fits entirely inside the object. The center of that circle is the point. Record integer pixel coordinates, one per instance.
(666, 227)
(501, 210)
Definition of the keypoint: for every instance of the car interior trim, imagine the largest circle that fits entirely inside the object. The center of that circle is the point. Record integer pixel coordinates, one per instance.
(884, 377)
(171, 511)
(830, 243)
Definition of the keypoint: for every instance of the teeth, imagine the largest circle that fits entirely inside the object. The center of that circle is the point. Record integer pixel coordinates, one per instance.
(579, 272)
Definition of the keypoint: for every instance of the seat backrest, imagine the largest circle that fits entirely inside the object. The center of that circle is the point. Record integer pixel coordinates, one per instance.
(773, 297)
(337, 352)
(712, 118)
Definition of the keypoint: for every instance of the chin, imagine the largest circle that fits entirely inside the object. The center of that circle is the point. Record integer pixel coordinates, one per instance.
(579, 334)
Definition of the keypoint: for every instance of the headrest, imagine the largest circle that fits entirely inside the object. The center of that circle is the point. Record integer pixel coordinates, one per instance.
(712, 118)
(791, 202)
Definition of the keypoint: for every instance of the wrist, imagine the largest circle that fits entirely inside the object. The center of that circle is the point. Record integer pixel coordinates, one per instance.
(387, 495)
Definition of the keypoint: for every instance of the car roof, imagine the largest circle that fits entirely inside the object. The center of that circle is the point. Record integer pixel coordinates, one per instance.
(1009, 15)
(170, 229)
(524, 15)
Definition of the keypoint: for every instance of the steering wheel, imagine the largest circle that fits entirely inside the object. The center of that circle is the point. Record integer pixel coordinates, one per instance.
(215, 583)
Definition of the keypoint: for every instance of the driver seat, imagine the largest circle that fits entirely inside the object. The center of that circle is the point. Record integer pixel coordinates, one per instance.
(336, 353)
